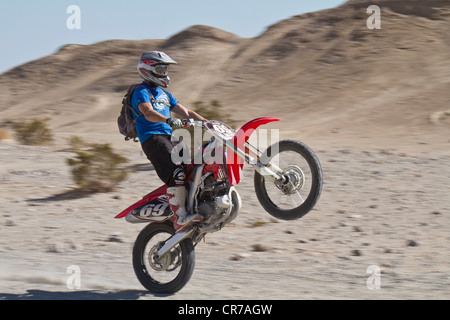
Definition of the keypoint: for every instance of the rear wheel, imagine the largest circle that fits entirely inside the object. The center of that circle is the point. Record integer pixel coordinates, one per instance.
(168, 274)
(297, 192)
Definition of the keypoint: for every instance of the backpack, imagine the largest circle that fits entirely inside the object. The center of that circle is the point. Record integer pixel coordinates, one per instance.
(125, 121)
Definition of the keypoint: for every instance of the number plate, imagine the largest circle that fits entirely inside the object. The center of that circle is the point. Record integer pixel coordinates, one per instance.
(220, 129)
(155, 210)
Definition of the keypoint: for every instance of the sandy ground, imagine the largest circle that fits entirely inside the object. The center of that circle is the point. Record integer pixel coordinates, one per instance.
(382, 210)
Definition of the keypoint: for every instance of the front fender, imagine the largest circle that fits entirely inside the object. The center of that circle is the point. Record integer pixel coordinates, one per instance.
(234, 163)
(244, 133)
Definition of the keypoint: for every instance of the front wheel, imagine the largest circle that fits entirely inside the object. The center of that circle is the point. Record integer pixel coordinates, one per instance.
(168, 274)
(297, 192)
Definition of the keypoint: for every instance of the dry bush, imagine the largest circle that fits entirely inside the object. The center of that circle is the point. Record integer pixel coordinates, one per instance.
(96, 167)
(34, 132)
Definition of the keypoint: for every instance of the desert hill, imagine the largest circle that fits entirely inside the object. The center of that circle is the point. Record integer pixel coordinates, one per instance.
(325, 74)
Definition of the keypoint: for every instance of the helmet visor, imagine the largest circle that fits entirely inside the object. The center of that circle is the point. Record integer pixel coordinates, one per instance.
(160, 70)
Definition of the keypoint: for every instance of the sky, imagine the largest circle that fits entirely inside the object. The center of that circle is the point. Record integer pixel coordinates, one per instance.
(34, 29)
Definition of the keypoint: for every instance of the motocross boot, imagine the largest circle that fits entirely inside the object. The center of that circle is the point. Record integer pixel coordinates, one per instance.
(177, 199)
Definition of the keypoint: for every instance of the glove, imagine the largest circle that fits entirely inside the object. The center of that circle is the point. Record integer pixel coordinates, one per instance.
(174, 123)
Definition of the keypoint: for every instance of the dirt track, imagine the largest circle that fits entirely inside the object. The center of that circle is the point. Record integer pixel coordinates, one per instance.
(379, 207)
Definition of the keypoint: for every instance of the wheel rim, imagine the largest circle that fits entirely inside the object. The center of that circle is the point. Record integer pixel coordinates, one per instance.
(293, 190)
(165, 269)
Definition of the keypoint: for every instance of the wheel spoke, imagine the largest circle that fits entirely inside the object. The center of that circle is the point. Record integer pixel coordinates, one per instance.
(300, 196)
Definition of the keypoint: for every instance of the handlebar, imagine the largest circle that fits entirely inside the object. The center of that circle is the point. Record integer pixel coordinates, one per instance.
(188, 123)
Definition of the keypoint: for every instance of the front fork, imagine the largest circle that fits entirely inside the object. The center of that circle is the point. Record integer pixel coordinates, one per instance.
(270, 171)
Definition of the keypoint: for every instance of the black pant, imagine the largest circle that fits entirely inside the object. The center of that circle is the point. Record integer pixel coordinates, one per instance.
(158, 149)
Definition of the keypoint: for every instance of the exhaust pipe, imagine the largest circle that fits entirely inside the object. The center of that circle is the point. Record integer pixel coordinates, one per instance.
(194, 185)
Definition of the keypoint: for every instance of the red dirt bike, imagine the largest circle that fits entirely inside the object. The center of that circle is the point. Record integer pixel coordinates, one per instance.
(288, 183)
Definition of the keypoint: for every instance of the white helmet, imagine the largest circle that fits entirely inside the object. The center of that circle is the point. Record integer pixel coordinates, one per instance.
(154, 66)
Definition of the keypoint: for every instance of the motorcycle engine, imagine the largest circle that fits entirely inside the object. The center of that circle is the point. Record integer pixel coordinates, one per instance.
(208, 209)
(219, 204)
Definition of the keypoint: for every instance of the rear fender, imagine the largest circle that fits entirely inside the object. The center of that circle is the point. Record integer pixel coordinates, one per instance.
(149, 197)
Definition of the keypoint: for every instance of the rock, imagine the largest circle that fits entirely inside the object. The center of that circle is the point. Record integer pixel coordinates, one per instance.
(71, 245)
(260, 247)
(239, 256)
(55, 247)
(356, 253)
(236, 257)
(412, 243)
(115, 238)
(10, 223)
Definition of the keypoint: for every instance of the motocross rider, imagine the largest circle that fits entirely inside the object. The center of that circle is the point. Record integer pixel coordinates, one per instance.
(154, 128)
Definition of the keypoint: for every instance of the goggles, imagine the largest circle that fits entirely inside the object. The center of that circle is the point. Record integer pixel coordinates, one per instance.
(160, 70)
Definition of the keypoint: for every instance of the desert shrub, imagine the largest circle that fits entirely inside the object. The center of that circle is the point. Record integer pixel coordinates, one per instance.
(34, 132)
(76, 143)
(96, 167)
(258, 223)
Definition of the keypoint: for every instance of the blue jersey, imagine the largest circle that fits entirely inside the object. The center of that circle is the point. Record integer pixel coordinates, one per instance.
(163, 103)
